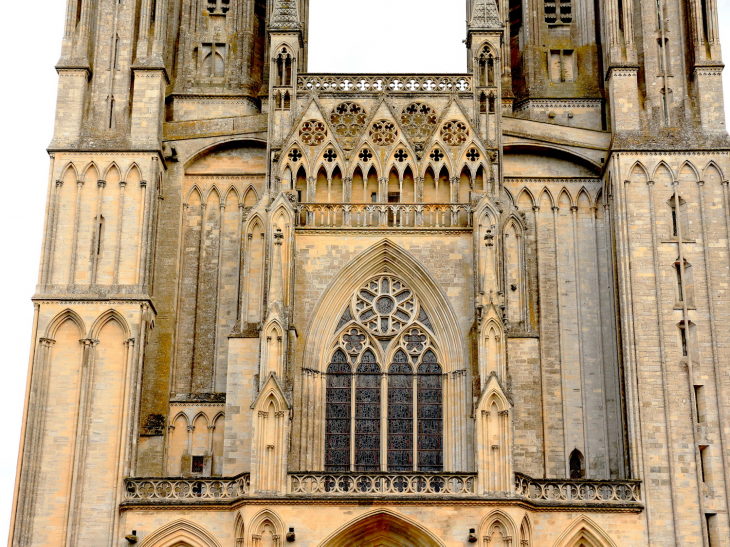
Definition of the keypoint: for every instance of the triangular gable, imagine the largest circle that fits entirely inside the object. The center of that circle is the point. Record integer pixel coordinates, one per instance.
(272, 386)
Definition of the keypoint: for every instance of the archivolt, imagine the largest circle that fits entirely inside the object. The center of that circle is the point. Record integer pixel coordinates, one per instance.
(180, 532)
(389, 527)
(384, 256)
(104, 318)
(584, 529)
(60, 319)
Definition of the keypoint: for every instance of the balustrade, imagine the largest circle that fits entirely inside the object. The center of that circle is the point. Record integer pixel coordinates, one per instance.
(382, 484)
(391, 83)
(578, 491)
(187, 489)
(384, 215)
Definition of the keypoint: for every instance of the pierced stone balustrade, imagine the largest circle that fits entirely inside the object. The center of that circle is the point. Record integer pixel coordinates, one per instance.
(390, 83)
(579, 491)
(384, 215)
(176, 490)
(385, 484)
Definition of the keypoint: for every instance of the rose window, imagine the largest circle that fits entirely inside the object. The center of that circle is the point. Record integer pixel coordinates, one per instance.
(313, 132)
(455, 133)
(383, 133)
(348, 120)
(385, 305)
(418, 120)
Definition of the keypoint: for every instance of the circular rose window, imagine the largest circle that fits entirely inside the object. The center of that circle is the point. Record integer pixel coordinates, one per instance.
(384, 305)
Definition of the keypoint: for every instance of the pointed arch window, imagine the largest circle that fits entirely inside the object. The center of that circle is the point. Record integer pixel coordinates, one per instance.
(339, 401)
(367, 414)
(400, 414)
(486, 68)
(404, 432)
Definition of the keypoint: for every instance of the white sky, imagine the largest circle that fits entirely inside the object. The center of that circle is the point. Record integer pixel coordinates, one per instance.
(345, 36)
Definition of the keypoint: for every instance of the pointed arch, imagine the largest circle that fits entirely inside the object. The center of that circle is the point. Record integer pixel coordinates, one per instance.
(546, 194)
(665, 165)
(564, 192)
(69, 167)
(66, 315)
(495, 524)
(526, 194)
(583, 194)
(250, 196)
(213, 190)
(109, 168)
(402, 531)
(132, 168)
(179, 532)
(266, 521)
(195, 189)
(584, 529)
(233, 191)
(526, 532)
(104, 318)
(709, 168)
(91, 165)
(203, 415)
(239, 529)
(688, 167)
(384, 255)
(638, 172)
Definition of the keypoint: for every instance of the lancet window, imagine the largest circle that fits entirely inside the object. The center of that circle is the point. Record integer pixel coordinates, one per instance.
(384, 400)
(486, 68)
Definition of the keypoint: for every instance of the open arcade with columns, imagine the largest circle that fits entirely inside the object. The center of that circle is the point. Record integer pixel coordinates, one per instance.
(382, 310)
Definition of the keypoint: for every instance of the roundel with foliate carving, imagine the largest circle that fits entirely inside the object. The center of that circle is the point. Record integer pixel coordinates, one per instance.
(313, 132)
(454, 133)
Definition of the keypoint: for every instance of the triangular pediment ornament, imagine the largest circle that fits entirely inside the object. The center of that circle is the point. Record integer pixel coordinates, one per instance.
(485, 15)
(285, 15)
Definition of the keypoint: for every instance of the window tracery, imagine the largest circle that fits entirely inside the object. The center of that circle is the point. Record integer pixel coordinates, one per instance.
(313, 132)
(454, 133)
(384, 305)
(384, 315)
(383, 133)
(348, 120)
(418, 120)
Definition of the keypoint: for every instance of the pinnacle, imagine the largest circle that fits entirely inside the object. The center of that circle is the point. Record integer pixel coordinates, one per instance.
(286, 15)
(485, 15)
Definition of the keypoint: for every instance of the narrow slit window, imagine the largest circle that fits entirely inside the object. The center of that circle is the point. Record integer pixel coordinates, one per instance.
(699, 404)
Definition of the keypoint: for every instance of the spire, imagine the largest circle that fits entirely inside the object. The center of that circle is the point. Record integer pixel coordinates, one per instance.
(485, 15)
(286, 15)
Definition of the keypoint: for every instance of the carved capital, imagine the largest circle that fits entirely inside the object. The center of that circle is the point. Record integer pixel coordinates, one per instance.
(59, 183)
(101, 183)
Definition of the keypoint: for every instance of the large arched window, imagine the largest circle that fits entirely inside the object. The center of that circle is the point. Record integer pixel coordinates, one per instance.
(384, 324)
(367, 414)
(339, 402)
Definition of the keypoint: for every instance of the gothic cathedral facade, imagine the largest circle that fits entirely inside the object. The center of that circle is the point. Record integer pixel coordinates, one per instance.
(402, 310)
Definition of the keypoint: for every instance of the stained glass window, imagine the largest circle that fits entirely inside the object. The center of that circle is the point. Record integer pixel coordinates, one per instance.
(430, 415)
(367, 414)
(384, 313)
(400, 414)
(339, 397)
